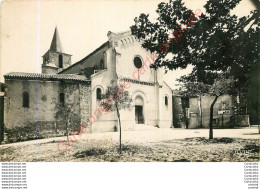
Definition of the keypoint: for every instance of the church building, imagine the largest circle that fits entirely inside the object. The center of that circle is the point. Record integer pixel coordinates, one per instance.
(41, 101)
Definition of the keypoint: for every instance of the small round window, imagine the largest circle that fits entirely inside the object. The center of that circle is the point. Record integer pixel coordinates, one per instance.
(138, 62)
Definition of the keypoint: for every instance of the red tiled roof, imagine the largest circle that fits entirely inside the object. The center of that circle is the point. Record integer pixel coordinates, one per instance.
(50, 77)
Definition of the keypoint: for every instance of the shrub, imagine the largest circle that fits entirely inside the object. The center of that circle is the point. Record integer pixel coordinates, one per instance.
(39, 130)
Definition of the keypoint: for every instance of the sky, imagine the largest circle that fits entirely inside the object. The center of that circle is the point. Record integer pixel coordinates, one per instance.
(27, 28)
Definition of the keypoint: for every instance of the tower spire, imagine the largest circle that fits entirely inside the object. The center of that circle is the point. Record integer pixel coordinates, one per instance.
(56, 44)
(54, 60)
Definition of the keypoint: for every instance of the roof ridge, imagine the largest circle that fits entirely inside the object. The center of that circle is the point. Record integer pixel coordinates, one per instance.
(123, 32)
(46, 76)
(86, 57)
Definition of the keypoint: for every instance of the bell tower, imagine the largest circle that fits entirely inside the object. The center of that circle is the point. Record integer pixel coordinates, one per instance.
(55, 60)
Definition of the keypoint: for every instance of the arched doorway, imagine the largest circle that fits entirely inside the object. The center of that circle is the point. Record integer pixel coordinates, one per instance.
(139, 110)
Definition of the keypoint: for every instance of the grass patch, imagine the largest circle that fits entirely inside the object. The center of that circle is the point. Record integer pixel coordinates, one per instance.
(204, 140)
(7, 154)
(90, 152)
(111, 152)
(253, 148)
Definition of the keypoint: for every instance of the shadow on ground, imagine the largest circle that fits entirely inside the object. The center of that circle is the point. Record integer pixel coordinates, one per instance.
(203, 140)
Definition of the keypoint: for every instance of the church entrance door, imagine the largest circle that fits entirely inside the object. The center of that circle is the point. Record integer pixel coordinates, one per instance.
(139, 110)
(139, 117)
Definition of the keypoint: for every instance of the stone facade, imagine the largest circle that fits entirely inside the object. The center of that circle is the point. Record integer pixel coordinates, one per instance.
(66, 94)
(114, 60)
(85, 105)
(44, 103)
(51, 62)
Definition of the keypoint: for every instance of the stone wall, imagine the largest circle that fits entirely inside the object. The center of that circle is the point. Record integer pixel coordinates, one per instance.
(44, 93)
(239, 121)
(1, 118)
(85, 105)
(223, 102)
(49, 70)
(177, 112)
(42, 114)
(53, 57)
(165, 110)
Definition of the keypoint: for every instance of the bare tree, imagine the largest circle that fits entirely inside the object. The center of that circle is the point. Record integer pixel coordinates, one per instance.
(116, 98)
(65, 114)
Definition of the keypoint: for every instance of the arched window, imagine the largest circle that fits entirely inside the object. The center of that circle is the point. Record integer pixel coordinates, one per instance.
(102, 64)
(99, 94)
(60, 61)
(26, 99)
(166, 100)
(62, 98)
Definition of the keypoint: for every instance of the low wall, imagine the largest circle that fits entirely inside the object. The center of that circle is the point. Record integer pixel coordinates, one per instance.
(38, 130)
(240, 120)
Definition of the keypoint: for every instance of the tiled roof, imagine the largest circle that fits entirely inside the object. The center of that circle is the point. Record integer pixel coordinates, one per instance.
(48, 77)
(138, 82)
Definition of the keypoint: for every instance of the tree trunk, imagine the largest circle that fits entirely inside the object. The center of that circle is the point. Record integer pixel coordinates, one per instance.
(67, 129)
(222, 120)
(211, 118)
(200, 112)
(120, 130)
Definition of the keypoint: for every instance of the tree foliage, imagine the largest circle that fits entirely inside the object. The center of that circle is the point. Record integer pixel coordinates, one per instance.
(222, 48)
(215, 41)
(193, 89)
(115, 97)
